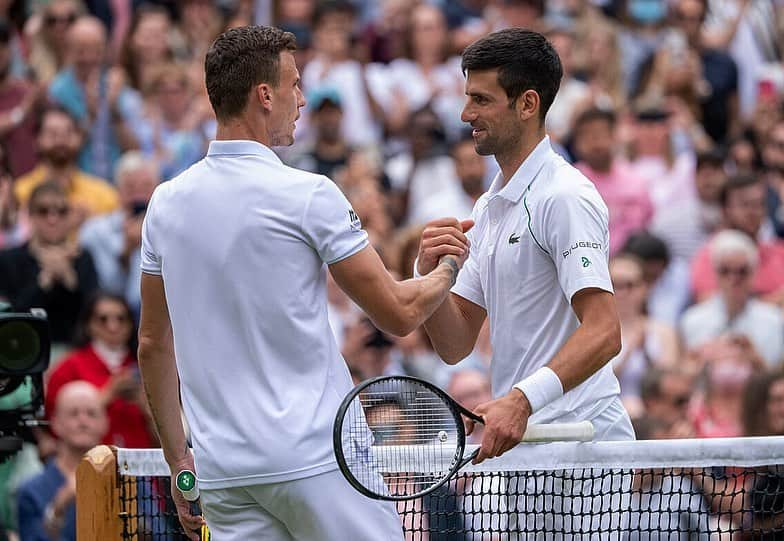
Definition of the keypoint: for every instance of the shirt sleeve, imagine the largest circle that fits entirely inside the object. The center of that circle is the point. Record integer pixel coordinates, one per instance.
(151, 258)
(469, 284)
(577, 238)
(330, 225)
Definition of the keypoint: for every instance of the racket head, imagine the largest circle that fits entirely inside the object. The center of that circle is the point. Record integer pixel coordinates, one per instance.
(398, 438)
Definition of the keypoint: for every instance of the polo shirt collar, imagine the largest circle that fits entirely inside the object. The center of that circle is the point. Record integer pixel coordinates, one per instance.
(241, 147)
(524, 175)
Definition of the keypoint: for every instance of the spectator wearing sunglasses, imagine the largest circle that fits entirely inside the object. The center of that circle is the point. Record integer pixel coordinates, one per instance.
(106, 358)
(48, 31)
(743, 200)
(735, 258)
(49, 271)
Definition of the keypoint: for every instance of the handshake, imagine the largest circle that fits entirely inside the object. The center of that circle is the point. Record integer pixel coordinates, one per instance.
(443, 239)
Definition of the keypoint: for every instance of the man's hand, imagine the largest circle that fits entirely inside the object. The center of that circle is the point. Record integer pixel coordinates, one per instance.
(190, 523)
(445, 236)
(124, 384)
(505, 421)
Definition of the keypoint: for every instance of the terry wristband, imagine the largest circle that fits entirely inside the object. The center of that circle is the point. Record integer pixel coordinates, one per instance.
(541, 388)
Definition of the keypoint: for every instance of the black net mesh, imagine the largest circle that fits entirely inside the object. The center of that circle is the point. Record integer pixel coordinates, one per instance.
(733, 504)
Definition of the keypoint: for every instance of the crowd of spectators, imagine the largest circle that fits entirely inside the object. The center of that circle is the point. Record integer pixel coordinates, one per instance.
(673, 108)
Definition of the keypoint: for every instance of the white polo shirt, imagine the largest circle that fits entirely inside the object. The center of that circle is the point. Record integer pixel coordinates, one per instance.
(537, 241)
(241, 241)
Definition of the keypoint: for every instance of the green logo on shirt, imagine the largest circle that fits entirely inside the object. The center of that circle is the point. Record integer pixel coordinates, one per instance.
(513, 239)
(586, 261)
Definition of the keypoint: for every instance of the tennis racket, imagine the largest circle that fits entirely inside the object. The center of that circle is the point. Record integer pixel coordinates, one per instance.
(399, 437)
(188, 486)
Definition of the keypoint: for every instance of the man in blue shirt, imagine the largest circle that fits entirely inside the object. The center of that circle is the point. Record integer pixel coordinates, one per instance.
(46, 503)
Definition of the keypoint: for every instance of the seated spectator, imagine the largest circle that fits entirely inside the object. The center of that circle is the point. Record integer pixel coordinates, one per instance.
(47, 32)
(59, 140)
(174, 128)
(114, 239)
(573, 94)
(624, 192)
(49, 271)
(687, 225)
(47, 503)
(732, 309)
(13, 224)
(645, 342)
(328, 150)
(96, 96)
(19, 102)
(425, 174)
(763, 405)
(729, 362)
(666, 394)
(106, 358)
(332, 65)
(743, 208)
(669, 175)
(147, 45)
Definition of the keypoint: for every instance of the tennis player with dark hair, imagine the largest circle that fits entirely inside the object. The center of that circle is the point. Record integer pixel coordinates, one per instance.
(538, 258)
(234, 257)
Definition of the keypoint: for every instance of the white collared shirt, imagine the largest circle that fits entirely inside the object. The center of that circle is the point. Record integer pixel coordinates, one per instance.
(241, 241)
(537, 241)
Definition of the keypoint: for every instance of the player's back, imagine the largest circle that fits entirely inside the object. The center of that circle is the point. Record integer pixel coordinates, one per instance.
(242, 240)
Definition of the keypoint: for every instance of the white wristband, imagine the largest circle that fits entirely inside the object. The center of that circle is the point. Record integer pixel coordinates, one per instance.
(416, 272)
(541, 388)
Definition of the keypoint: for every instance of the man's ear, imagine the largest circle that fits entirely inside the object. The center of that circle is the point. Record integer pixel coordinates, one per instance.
(264, 95)
(528, 104)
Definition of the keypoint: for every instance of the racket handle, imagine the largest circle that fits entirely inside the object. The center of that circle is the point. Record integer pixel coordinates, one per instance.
(582, 431)
(189, 488)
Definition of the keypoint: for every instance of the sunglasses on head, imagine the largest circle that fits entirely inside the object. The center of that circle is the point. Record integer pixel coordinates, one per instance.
(44, 211)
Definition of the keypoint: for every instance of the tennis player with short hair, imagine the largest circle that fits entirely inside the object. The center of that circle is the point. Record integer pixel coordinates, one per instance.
(538, 258)
(234, 288)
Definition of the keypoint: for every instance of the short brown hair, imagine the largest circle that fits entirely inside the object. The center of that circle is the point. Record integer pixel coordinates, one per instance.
(239, 59)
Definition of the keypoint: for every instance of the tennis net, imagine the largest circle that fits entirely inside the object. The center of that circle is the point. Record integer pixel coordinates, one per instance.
(723, 489)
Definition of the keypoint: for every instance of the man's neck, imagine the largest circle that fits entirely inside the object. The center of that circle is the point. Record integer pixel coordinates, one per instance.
(735, 307)
(240, 129)
(511, 160)
(62, 173)
(331, 150)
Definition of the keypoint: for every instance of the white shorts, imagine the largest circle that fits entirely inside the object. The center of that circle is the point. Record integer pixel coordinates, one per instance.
(323, 507)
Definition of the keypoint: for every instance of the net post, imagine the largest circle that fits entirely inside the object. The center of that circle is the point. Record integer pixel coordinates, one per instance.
(97, 497)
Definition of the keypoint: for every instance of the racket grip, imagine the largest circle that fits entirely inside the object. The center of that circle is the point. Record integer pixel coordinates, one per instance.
(581, 431)
(189, 488)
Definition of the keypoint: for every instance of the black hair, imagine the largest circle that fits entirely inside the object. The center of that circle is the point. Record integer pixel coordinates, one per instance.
(594, 113)
(82, 336)
(525, 61)
(736, 182)
(239, 59)
(715, 156)
(330, 7)
(647, 247)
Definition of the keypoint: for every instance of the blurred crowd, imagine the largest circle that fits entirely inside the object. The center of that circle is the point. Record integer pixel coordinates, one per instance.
(673, 108)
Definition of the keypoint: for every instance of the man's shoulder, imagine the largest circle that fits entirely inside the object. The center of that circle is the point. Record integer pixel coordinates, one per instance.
(767, 311)
(564, 182)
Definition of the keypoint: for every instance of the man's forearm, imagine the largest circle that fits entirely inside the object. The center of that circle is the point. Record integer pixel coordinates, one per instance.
(161, 385)
(584, 353)
(420, 297)
(449, 332)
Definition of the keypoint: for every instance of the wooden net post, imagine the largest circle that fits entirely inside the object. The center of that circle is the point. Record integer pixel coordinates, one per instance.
(97, 496)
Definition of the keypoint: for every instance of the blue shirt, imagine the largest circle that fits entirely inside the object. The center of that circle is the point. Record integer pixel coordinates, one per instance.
(32, 499)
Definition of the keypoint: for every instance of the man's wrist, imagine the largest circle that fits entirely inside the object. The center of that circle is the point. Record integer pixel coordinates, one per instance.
(541, 388)
(452, 264)
(416, 270)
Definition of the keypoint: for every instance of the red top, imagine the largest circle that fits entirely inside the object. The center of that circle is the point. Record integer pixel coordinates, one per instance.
(127, 422)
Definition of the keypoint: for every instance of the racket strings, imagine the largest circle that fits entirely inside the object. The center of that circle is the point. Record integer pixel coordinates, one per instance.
(400, 438)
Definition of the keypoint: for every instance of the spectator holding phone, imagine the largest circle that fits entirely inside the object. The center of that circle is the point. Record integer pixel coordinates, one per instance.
(114, 239)
(107, 359)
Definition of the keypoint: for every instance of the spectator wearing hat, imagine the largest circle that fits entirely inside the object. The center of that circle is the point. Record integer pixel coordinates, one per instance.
(734, 258)
(328, 150)
(624, 192)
